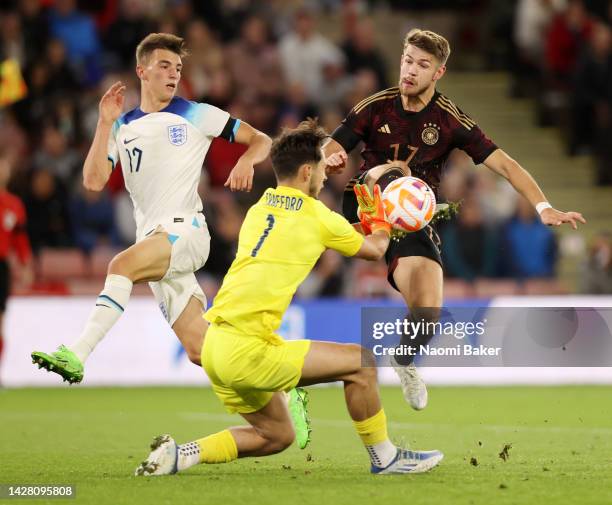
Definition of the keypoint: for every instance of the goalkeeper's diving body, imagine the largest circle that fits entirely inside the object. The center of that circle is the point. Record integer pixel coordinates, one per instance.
(248, 364)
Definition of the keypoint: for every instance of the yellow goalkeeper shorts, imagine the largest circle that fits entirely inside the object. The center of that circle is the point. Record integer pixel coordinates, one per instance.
(246, 371)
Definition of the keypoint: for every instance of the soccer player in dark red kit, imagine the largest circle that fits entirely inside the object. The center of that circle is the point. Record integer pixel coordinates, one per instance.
(13, 236)
(413, 128)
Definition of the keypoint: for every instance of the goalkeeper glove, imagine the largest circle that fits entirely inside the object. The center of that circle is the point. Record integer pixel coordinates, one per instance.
(371, 211)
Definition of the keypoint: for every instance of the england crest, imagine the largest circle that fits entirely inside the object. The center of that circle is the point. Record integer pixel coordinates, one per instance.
(177, 134)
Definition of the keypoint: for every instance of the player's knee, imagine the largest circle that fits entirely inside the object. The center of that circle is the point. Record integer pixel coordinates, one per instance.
(192, 345)
(192, 341)
(281, 439)
(286, 438)
(367, 359)
(119, 265)
(194, 355)
(362, 356)
(366, 373)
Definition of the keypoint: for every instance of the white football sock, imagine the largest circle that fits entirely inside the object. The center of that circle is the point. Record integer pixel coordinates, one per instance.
(382, 454)
(188, 455)
(109, 306)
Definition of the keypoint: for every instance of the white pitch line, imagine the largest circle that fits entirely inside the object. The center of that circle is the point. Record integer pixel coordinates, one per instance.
(340, 423)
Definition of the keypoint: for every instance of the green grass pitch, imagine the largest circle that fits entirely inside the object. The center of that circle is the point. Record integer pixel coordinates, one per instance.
(561, 448)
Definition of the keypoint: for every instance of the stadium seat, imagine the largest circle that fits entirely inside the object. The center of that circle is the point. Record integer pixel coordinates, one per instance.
(61, 264)
(100, 259)
(93, 286)
(486, 288)
(544, 287)
(457, 289)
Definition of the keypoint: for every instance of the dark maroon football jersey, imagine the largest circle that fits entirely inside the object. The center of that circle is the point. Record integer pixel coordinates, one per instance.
(424, 139)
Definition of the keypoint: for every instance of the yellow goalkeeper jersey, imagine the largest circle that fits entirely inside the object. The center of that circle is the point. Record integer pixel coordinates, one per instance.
(280, 240)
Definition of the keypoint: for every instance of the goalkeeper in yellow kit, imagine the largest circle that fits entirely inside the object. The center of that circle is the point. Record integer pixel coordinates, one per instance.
(249, 365)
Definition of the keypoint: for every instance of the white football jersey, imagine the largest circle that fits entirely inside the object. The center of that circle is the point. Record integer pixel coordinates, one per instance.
(161, 156)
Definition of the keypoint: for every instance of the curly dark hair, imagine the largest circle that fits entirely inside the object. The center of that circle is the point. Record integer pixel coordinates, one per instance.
(297, 146)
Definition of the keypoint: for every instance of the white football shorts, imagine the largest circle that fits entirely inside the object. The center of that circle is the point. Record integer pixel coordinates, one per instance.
(190, 248)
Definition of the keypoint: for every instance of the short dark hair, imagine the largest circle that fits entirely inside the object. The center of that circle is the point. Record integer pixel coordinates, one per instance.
(155, 41)
(295, 147)
(430, 42)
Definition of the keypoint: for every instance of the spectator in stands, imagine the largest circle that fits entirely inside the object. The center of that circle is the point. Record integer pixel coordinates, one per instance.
(205, 67)
(297, 105)
(496, 196)
(57, 156)
(469, 247)
(48, 77)
(78, 33)
(531, 23)
(363, 85)
(13, 239)
(253, 56)
(304, 54)
(34, 28)
(338, 85)
(11, 37)
(225, 219)
(361, 52)
(602, 104)
(62, 78)
(31, 111)
(566, 38)
(568, 35)
(529, 246)
(14, 144)
(590, 93)
(45, 201)
(254, 64)
(124, 34)
(181, 12)
(93, 221)
(596, 271)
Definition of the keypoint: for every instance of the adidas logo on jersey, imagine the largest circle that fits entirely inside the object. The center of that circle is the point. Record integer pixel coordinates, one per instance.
(384, 129)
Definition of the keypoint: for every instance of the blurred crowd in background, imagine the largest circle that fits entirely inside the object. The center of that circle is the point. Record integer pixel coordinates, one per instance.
(269, 64)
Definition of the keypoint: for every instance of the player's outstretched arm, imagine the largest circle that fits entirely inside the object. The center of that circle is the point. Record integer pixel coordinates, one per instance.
(374, 246)
(241, 176)
(524, 183)
(97, 167)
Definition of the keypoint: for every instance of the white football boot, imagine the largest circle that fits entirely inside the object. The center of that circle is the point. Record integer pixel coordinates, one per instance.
(413, 387)
(163, 459)
(409, 462)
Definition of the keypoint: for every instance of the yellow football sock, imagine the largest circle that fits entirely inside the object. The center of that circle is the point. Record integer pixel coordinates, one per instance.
(218, 448)
(373, 430)
(373, 433)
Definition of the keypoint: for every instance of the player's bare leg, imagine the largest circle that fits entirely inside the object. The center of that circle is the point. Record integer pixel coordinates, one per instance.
(147, 260)
(190, 328)
(270, 429)
(356, 367)
(329, 362)
(420, 281)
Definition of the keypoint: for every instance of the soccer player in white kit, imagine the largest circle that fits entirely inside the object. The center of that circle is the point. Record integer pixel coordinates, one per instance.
(161, 146)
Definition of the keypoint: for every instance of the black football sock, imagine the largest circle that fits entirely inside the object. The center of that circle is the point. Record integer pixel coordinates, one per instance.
(418, 333)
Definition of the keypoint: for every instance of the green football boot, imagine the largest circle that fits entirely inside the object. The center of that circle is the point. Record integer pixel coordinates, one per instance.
(63, 362)
(298, 408)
